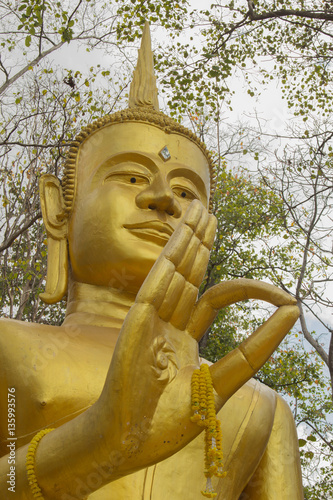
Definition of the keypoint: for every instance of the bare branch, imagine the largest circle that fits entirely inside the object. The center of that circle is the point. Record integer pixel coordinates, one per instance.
(315, 344)
(323, 15)
(30, 65)
(6, 244)
(318, 433)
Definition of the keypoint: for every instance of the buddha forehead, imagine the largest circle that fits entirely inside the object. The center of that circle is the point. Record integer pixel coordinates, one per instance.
(128, 140)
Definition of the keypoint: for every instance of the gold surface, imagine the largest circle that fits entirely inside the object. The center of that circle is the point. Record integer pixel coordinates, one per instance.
(114, 379)
(143, 91)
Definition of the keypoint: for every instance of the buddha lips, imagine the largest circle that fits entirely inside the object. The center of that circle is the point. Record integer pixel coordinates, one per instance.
(203, 406)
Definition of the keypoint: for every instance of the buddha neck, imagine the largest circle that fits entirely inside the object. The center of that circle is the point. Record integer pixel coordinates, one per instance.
(97, 305)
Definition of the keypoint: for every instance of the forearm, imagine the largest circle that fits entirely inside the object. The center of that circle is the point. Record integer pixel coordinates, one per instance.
(64, 460)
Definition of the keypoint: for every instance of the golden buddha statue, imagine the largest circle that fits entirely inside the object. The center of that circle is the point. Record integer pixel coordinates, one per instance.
(129, 235)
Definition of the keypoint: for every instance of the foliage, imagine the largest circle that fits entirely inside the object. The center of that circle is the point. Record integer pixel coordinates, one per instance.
(288, 40)
(302, 178)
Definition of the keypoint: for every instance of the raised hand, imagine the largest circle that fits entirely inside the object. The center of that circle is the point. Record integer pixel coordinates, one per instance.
(154, 348)
(150, 374)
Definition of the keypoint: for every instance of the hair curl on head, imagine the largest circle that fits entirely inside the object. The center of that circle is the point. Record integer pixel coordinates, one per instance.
(142, 114)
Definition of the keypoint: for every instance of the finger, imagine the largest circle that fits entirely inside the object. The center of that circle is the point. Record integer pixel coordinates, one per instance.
(181, 252)
(154, 287)
(206, 231)
(186, 264)
(199, 266)
(263, 342)
(176, 247)
(203, 234)
(209, 237)
(193, 214)
(230, 292)
(237, 367)
(202, 225)
(192, 267)
(182, 312)
(196, 269)
(172, 297)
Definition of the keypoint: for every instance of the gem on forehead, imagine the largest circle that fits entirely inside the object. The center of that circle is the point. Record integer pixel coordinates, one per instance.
(165, 154)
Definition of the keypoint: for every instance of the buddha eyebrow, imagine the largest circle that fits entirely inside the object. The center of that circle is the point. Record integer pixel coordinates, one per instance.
(127, 166)
(133, 157)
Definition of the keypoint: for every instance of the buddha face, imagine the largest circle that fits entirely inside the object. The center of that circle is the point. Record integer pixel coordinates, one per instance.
(129, 200)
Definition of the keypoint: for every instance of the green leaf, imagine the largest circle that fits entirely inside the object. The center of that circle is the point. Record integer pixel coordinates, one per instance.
(311, 438)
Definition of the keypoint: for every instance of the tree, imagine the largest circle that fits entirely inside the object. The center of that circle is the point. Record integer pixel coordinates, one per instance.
(303, 181)
(296, 170)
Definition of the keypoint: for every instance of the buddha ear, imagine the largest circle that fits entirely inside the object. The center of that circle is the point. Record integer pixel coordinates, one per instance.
(55, 220)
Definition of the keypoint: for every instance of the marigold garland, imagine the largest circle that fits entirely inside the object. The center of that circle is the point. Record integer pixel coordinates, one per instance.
(30, 464)
(203, 406)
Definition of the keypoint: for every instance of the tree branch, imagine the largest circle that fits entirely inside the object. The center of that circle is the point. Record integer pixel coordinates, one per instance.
(6, 244)
(29, 66)
(319, 434)
(325, 16)
(315, 344)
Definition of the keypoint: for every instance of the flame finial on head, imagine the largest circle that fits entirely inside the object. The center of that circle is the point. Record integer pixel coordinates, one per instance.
(143, 90)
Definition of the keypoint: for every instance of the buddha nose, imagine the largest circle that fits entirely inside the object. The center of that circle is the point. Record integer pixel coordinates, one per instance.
(159, 196)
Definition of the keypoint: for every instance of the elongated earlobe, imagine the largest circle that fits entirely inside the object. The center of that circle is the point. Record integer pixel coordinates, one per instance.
(57, 271)
(55, 220)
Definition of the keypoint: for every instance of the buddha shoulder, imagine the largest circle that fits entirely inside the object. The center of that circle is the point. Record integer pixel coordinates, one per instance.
(39, 347)
(55, 373)
(17, 338)
(23, 351)
(29, 351)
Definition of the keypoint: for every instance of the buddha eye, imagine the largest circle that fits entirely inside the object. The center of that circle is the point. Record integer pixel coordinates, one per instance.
(137, 179)
(184, 193)
(128, 178)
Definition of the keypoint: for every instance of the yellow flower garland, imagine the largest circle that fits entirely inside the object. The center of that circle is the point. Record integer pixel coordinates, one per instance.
(203, 406)
(30, 464)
